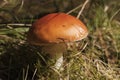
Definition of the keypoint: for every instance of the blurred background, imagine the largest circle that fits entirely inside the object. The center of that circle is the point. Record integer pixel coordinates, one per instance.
(99, 57)
(21, 10)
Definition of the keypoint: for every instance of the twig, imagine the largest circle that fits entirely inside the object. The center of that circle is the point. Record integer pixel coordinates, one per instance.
(42, 58)
(82, 8)
(74, 9)
(114, 15)
(21, 6)
(81, 50)
(55, 70)
(34, 74)
(68, 72)
(26, 75)
(16, 24)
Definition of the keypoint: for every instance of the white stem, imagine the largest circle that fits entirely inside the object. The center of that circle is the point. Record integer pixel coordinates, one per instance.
(59, 63)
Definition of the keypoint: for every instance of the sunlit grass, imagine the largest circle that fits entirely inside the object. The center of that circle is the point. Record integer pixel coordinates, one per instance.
(96, 58)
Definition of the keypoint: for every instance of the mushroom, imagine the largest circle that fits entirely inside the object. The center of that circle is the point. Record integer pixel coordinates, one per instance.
(53, 31)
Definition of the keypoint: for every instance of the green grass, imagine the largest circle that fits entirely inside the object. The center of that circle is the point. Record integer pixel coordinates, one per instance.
(96, 58)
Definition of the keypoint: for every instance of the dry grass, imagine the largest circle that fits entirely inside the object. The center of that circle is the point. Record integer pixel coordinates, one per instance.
(96, 58)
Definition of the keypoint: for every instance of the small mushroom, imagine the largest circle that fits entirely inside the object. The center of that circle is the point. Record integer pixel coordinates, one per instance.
(53, 31)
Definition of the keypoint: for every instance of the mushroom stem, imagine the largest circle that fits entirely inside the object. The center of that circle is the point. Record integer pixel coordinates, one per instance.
(55, 51)
(59, 63)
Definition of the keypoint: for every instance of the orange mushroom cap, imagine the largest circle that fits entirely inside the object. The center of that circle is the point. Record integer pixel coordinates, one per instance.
(56, 28)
